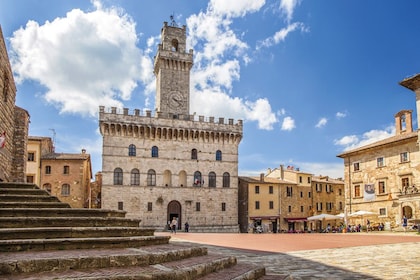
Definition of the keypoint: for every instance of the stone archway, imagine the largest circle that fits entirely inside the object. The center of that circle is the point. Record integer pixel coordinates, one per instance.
(407, 211)
(175, 210)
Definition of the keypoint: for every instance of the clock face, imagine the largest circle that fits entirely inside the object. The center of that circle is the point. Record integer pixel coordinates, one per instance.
(175, 100)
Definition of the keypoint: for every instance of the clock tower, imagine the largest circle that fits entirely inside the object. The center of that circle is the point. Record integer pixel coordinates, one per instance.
(172, 70)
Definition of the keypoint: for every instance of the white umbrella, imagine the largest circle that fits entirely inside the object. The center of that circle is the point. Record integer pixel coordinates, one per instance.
(322, 217)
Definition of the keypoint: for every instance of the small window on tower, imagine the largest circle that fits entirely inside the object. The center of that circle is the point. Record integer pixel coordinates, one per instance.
(174, 45)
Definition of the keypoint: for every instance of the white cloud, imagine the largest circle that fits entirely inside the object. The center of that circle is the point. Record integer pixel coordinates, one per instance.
(321, 123)
(235, 8)
(288, 124)
(83, 59)
(341, 115)
(281, 35)
(287, 7)
(350, 142)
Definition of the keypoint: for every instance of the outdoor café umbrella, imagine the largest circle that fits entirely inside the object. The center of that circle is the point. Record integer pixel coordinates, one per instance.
(361, 214)
(323, 217)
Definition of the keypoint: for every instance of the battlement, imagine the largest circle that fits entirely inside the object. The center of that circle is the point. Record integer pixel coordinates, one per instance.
(137, 115)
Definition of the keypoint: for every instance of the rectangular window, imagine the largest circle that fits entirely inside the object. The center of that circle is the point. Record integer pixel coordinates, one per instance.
(149, 206)
(356, 166)
(257, 205)
(340, 205)
(319, 206)
(340, 192)
(357, 191)
(29, 179)
(289, 191)
(380, 162)
(382, 211)
(223, 206)
(301, 194)
(381, 186)
(290, 208)
(120, 205)
(405, 182)
(318, 187)
(329, 206)
(257, 189)
(197, 206)
(270, 189)
(47, 169)
(309, 180)
(309, 194)
(301, 209)
(31, 156)
(300, 179)
(271, 204)
(404, 157)
(66, 169)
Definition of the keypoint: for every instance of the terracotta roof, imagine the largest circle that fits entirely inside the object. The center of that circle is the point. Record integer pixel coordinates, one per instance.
(266, 180)
(66, 156)
(326, 179)
(397, 138)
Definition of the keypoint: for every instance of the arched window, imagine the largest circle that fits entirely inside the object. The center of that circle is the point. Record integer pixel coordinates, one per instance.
(219, 155)
(65, 190)
(151, 177)
(226, 180)
(135, 177)
(132, 150)
(48, 169)
(197, 179)
(155, 151)
(194, 154)
(118, 176)
(212, 180)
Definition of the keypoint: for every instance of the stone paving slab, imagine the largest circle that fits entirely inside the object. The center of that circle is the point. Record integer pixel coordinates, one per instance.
(390, 256)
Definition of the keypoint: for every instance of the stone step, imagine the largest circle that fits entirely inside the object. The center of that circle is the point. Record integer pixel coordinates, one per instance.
(242, 271)
(72, 232)
(13, 263)
(19, 191)
(16, 245)
(59, 212)
(29, 222)
(27, 198)
(4, 185)
(53, 204)
(190, 268)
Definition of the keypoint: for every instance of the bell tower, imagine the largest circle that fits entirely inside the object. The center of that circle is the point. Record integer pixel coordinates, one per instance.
(172, 67)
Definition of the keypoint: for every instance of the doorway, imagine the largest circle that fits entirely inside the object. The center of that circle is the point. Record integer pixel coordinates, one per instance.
(174, 211)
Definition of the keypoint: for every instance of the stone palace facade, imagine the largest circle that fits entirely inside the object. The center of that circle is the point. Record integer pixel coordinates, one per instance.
(169, 163)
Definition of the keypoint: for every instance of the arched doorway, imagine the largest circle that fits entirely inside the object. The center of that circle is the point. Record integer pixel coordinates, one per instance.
(408, 212)
(174, 211)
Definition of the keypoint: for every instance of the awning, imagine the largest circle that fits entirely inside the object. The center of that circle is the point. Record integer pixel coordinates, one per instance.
(292, 220)
(264, 217)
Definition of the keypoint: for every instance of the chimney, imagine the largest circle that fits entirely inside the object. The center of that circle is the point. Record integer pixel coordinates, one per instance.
(262, 177)
(83, 151)
(281, 171)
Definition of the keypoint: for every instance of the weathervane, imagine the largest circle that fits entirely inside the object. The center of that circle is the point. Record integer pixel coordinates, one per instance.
(173, 23)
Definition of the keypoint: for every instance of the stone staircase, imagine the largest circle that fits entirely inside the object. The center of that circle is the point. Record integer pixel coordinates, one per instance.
(43, 238)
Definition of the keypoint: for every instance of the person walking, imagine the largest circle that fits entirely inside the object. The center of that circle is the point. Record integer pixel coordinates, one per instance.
(174, 223)
(404, 223)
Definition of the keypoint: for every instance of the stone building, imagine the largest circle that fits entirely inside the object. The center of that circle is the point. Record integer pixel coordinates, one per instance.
(14, 123)
(284, 198)
(170, 163)
(37, 147)
(382, 177)
(67, 176)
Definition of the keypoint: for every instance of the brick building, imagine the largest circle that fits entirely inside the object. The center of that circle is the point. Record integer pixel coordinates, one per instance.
(14, 123)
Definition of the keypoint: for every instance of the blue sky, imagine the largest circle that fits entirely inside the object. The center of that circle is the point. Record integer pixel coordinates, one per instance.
(310, 79)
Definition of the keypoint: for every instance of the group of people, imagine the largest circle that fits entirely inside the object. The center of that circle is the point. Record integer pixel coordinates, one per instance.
(173, 225)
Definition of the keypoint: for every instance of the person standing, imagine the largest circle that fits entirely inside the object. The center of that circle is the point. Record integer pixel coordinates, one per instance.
(186, 227)
(404, 223)
(174, 223)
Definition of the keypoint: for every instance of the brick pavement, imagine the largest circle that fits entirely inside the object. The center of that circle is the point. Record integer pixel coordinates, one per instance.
(319, 256)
